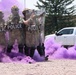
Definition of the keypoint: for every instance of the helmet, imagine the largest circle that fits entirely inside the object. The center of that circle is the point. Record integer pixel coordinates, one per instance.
(14, 8)
(25, 10)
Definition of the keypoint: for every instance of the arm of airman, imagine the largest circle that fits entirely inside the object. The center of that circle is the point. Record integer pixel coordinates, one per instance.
(28, 21)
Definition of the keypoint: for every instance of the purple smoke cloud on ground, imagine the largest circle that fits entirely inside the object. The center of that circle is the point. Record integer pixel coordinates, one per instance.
(57, 51)
(52, 49)
(14, 56)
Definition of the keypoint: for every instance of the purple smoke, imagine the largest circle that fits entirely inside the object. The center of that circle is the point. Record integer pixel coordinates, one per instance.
(57, 51)
(52, 49)
(5, 6)
(15, 57)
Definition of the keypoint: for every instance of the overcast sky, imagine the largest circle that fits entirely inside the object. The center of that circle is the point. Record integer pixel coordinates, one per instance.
(31, 3)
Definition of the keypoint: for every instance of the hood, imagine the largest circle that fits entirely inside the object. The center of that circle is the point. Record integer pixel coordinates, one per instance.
(50, 36)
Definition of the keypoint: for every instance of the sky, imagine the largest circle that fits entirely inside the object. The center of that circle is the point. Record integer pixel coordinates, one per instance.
(31, 3)
(27, 3)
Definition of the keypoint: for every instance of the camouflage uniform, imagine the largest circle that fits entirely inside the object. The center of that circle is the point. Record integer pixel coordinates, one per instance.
(15, 31)
(2, 29)
(32, 39)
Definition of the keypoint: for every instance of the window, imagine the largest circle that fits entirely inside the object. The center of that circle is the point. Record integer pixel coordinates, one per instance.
(66, 31)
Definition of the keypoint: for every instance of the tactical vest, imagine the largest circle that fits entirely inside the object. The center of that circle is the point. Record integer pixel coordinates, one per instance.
(32, 34)
(14, 26)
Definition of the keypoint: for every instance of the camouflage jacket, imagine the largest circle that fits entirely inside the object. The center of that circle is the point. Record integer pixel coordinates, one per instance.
(33, 33)
(15, 28)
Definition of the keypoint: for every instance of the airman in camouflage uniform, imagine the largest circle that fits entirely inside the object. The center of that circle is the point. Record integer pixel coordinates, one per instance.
(32, 34)
(14, 27)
